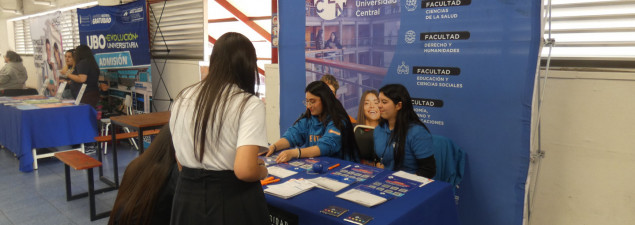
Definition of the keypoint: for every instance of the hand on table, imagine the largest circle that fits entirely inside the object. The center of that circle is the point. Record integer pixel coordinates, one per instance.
(287, 155)
(271, 150)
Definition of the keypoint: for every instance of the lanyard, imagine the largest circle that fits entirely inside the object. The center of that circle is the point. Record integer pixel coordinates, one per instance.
(381, 159)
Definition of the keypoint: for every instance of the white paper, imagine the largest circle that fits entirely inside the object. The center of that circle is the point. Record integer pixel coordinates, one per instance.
(329, 184)
(60, 90)
(280, 172)
(362, 197)
(413, 177)
(290, 188)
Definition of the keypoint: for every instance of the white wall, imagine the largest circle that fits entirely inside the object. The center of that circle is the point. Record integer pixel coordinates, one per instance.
(177, 75)
(588, 133)
(4, 43)
(272, 104)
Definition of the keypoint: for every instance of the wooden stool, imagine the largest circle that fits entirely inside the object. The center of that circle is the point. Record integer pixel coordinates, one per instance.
(81, 161)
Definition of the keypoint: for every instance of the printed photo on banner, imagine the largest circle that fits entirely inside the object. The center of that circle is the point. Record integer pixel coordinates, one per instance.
(354, 41)
(47, 51)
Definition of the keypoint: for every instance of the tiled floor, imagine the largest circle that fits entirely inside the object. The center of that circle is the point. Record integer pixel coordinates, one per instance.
(39, 197)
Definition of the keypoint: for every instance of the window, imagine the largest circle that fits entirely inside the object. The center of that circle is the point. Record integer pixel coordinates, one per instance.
(591, 29)
(180, 29)
(22, 36)
(69, 29)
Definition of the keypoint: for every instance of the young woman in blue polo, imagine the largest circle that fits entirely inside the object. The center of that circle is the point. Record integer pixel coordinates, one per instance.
(324, 129)
(402, 141)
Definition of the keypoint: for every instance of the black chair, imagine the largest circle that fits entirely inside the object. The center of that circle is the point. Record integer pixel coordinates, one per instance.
(18, 92)
(365, 142)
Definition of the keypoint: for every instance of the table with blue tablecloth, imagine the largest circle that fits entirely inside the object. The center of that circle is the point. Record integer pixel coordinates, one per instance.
(23, 130)
(431, 204)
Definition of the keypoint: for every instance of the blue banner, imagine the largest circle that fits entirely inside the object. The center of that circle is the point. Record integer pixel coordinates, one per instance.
(469, 65)
(117, 35)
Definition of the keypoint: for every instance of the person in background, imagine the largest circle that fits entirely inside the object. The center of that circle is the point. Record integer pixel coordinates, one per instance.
(218, 127)
(13, 74)
(334, 85)
(333, 42)
(322, 130)
(332, 82)
(147, 188)
(56, 55)
(368, 119)
(319, 41)
(402, 141)
(66, 71)
(51, 79)
(368, 111)
(86, 72)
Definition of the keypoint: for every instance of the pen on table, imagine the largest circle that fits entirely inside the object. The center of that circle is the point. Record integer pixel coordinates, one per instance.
(269, 181)
(263, 181)
(334, 166)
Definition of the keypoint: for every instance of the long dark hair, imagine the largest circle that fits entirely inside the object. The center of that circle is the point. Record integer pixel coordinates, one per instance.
(144, 178)
(57, 56)
(405, 117)
(13, 57)
(83, 52)
(335, 39)
(332, 110)
(361, 117)
(233, 62)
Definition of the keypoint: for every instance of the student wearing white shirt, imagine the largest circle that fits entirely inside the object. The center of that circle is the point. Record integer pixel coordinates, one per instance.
(218, 128)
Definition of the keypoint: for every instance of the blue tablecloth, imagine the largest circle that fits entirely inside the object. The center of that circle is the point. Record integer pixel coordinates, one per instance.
(23, 130)
(430, 204)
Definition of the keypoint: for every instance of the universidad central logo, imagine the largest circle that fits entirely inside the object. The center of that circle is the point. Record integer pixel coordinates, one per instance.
(329, 9)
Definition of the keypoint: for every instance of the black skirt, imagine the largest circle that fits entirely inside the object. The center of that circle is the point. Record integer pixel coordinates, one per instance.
(217, 197)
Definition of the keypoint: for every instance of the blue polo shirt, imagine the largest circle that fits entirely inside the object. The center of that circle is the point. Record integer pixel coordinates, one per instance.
(310, 131)
(418, 146)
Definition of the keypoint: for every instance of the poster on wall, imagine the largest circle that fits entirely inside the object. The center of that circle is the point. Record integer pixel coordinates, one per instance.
(48, 54)
(469, 66)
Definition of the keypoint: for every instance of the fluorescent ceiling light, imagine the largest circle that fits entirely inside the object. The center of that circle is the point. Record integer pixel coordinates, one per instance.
(40, 2)
(83, 5)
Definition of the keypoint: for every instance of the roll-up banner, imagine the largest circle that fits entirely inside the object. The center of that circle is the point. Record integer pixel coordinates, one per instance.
(118, 36)
(469, 65)
(48, 51)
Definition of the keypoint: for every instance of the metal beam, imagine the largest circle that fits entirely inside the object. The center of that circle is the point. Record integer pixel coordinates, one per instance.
(220, 20)
(242, 17)
(211, 39)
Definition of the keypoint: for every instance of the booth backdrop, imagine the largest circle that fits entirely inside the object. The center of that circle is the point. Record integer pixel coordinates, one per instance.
(469, 65)
(117, 35)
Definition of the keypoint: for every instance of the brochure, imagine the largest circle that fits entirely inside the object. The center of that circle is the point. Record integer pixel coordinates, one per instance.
(379, 191)
(290, 188)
